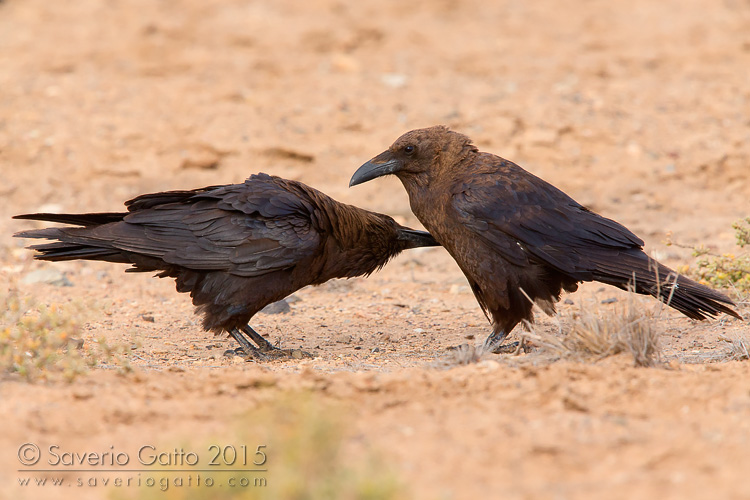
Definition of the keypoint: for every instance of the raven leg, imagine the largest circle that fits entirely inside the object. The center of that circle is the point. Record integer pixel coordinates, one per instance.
(494, 343)
(249, 350)
(263, 344)
(268, 349)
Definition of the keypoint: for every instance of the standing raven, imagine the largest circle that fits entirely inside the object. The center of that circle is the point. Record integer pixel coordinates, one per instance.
(235, 248)
(517, 237)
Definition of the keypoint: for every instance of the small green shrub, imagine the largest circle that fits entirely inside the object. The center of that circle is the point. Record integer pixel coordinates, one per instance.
(42, 342)
(37, 341)
(309, 453)
(726, 270)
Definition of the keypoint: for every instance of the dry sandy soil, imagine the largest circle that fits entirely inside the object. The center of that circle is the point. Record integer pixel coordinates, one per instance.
(638, 109)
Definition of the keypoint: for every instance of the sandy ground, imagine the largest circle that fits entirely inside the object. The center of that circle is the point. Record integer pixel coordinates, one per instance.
(638, 109)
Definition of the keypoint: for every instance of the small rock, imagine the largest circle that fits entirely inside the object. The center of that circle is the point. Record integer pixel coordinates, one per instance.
(202, 157)
(457, 289)
(610, 300)
(280, 307)
(82, 394)
(344, 64)
(289, 154)
(292, 299)
(394, 80)
(344, 339)
(568, 302)
(49, 276)
(76, 343)
(634, 150)
(574, 403)
(540, 137)
(148, 317)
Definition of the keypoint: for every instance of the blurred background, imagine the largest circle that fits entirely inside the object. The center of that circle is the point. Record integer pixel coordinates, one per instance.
(638, 109)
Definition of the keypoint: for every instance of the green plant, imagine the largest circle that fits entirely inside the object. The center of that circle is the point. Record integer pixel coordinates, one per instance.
(308, 453)
(309, 458)
(726, 270)
(42, 342)
(38, 341)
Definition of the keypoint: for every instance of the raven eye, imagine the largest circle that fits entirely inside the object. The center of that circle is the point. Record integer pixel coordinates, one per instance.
(409, 150)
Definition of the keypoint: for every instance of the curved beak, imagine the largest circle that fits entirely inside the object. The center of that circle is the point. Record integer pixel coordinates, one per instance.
(381, 165)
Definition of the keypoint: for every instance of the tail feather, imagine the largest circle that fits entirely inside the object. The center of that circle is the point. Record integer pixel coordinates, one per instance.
(74, 252)
(71, 246)
(646, 276)
(76, 219)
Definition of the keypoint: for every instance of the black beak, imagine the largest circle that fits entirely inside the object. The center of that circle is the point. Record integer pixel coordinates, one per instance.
(416, 238)
(381, 165)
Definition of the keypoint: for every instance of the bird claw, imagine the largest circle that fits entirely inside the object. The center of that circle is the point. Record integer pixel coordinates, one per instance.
(280, 354)
(512, 348)
(246, 354)
(274, 354)
(505, 348)
(265, 350)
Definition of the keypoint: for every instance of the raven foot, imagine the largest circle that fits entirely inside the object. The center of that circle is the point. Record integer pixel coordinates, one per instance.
(282, 354)
(251, 354)
(265, 350)
(494, 344)
(506, 348)
(273, 355)
(272, 351)
(263, 344)
(513, 348)
(246, 349)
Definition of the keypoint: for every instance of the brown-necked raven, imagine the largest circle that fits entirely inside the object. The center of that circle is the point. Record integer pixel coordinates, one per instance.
(517, 237)
(235, 248)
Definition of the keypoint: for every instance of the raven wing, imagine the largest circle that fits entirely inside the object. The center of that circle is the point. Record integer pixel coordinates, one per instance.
(525, 218)
(151, 200)
(245, 229)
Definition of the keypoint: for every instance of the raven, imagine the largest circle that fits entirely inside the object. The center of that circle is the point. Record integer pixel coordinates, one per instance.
(236, 248)
(518, 238)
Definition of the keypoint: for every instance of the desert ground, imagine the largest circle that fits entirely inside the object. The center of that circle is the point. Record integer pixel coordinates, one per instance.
(640, 110)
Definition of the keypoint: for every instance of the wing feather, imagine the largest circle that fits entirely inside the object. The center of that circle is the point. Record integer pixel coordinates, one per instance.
(524, 218)
(247, 229)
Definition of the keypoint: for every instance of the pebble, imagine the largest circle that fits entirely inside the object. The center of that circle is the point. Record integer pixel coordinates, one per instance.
(49, 276)
(280, 307)
(394, 80)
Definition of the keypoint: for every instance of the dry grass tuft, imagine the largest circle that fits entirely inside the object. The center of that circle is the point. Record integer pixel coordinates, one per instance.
(587, 333)
(590, 333)
(739, 347)
(464, 354)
